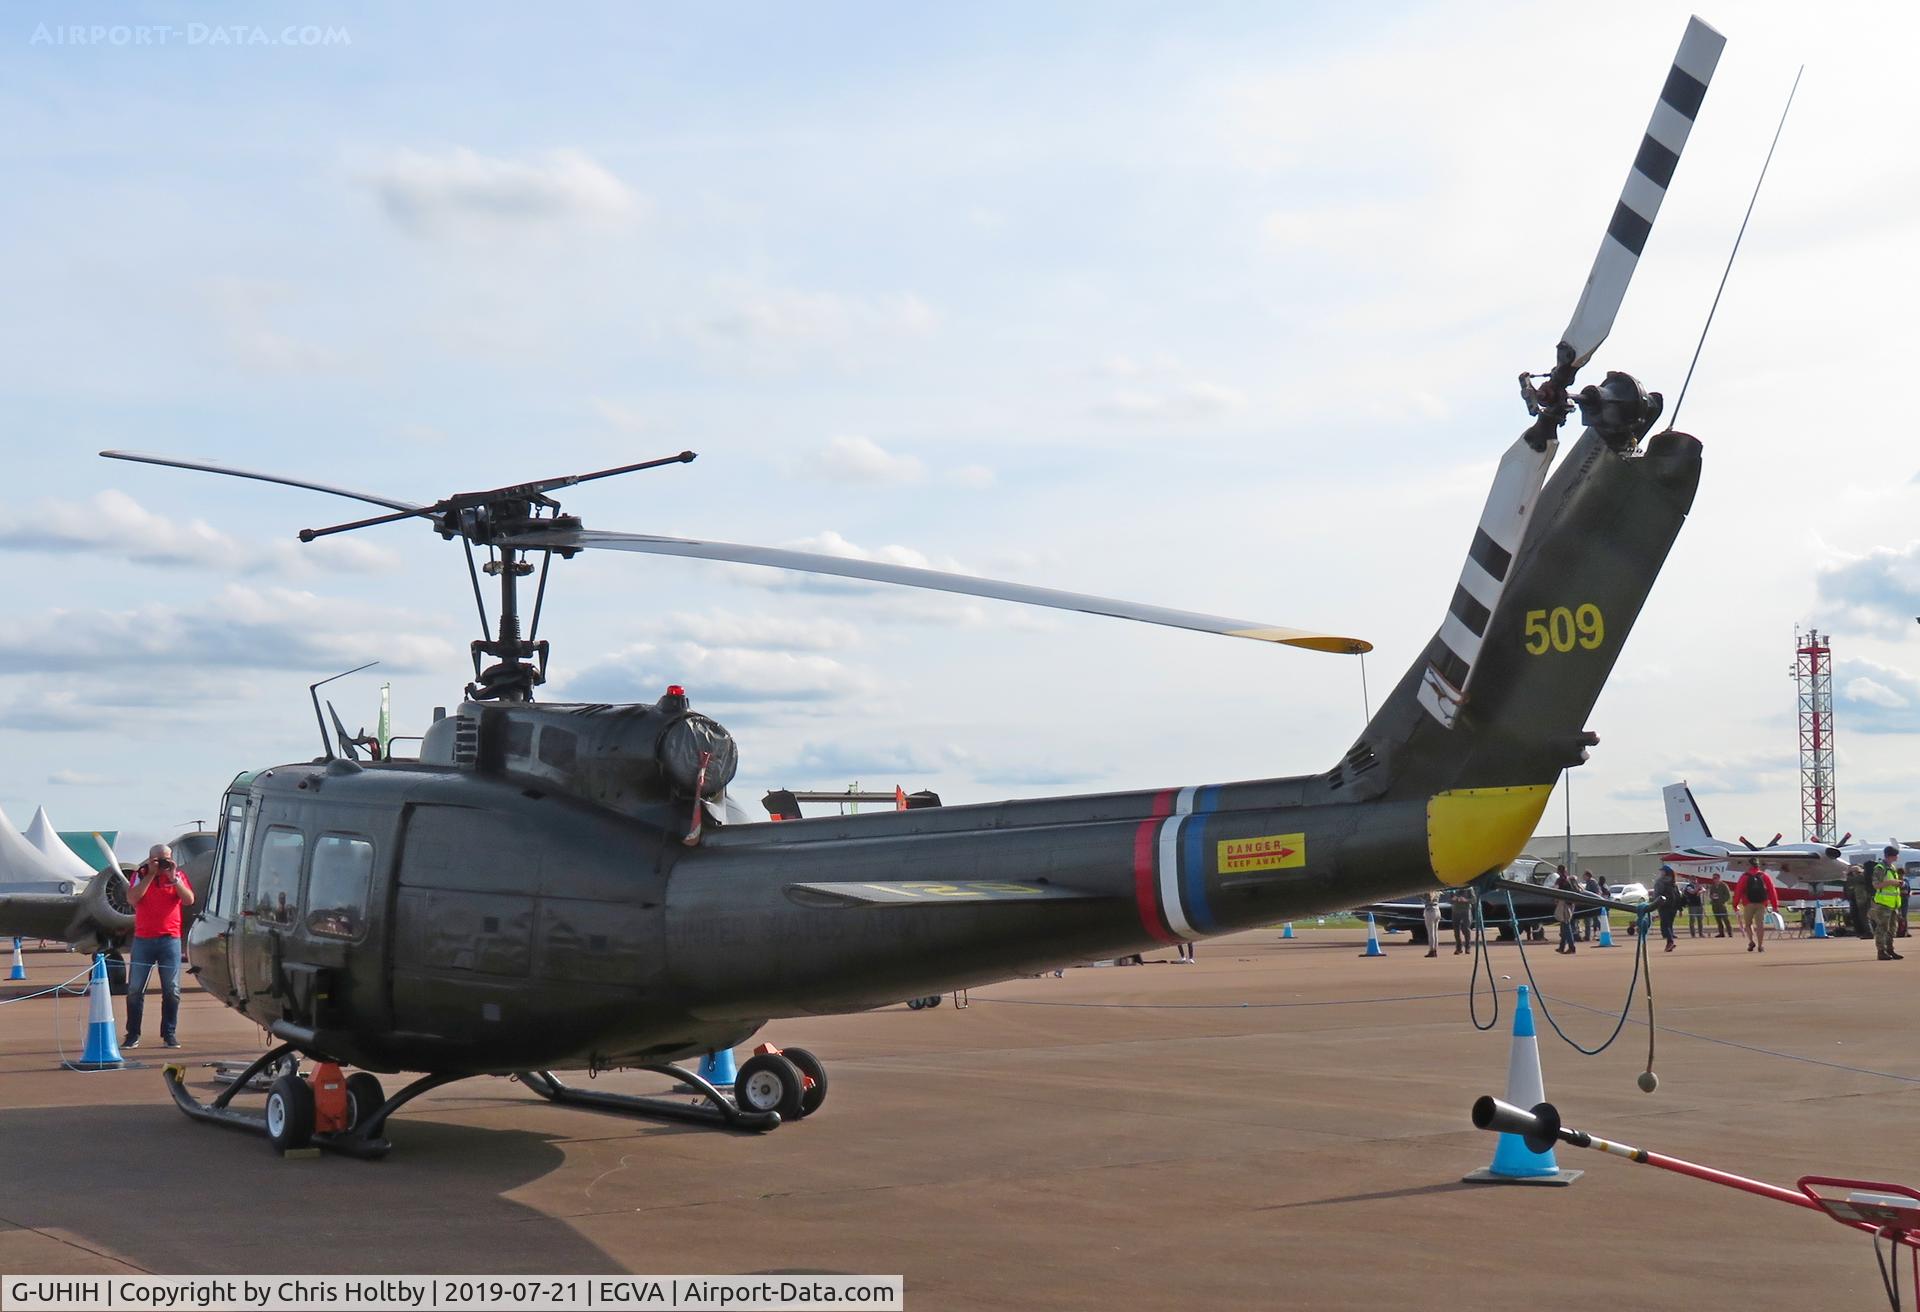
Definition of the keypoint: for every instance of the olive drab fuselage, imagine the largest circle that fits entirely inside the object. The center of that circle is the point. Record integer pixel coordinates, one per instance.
(485, 910)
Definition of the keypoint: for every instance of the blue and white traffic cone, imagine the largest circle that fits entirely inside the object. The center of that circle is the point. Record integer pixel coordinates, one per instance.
(102, 1051)
(19, 970)
(1373, 941)
(1513, 1161)
(1286, 930)
(1606, 930)
(1819, 927)
(718, 1069)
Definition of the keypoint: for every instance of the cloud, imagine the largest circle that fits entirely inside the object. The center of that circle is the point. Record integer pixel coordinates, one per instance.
(111, 523)
(716, 676)
(238, 628)
(80, 779)
(831, 762)
(779, 326)
(461, 190)
(1879, 591)
(862, 460)
(616, 414)
(971, 477)
(1038, 776)
(1872, 698)
(1163, 390)
(246, 309)
(759, 632)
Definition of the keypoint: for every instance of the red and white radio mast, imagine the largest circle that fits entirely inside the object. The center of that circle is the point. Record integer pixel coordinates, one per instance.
(1813, 676)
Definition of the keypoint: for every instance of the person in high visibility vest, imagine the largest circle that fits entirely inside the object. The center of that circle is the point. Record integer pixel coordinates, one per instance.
(1887, 881)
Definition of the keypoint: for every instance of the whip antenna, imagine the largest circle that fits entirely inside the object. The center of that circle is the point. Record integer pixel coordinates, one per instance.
(1675, 418)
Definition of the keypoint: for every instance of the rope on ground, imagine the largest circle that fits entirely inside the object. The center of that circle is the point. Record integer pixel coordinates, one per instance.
(1755, 1048)
(61, 987)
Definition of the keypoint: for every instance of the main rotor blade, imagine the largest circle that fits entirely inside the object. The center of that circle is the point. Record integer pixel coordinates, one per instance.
(811, 562)
(1646, 187)
(207, 466)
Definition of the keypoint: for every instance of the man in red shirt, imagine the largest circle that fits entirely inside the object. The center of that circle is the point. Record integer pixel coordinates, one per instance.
(1753, 896)
(160, 889)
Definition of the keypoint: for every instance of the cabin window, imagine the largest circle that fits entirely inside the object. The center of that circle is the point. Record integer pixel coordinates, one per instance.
(337, 887)
(226, 868)
(519, 739)
(276, 885)
(557, 747)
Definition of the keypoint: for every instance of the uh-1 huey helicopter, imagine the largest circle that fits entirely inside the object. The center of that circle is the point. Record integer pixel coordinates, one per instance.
(560, 886)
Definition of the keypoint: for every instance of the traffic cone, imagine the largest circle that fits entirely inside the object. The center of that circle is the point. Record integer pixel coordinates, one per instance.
(19, 970)
(1819, 928)
(1286, 930)
(1606, 931)
(718, 1069)
(102, 1051)
(1513, 1161)
(1373, 940)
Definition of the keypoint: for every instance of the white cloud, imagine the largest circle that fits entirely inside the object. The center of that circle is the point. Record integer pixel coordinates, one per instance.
(716, 676)
(626, 418)
(1163, 390)
(111, 523)
(461, 190)
(972, 477)
(247, 311)
(776, 324)
(862, 460)
(81, 779)
(1866, 690)
(237, 628)
(759, 632)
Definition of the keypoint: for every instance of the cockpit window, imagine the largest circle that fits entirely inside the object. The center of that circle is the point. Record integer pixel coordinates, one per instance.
(557, 747)
(276, 885)
(337, 888)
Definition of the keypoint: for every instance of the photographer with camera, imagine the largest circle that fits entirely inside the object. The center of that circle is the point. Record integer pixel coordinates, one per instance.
(160, 890)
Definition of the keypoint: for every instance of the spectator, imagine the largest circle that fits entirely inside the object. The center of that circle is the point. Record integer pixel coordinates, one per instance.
(1462, 920)
(1597, 889)
(159, 891)
(1696, 911)
(1563, 910)
(1666, 900)
(1753, 896)
(1719, 895)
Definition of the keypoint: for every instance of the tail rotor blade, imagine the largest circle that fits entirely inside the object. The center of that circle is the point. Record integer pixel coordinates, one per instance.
(1646, 187)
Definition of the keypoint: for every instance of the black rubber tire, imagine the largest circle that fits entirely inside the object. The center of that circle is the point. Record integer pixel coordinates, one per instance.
(364, 1096)
(932, 1000)
(290, 1113)
(770, 1083)
(915, 1004)
(810, 1066)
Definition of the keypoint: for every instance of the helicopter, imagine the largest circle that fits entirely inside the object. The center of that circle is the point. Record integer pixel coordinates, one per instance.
(562, 886)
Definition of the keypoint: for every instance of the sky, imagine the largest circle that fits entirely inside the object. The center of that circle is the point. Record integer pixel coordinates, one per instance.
(1216, 306)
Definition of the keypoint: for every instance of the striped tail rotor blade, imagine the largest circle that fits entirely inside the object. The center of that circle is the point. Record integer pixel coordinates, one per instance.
(1647, 180)
(1503, 522)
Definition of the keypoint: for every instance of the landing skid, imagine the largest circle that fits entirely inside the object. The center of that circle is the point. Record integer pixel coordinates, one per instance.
(365, 1141)
(719, 1109)
(362, 1141)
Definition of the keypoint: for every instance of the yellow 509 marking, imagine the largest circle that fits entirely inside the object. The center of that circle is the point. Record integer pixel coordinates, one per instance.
(1562, 630)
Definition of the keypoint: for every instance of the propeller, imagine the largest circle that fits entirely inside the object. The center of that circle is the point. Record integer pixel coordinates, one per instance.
(813, 562)
(1617, 409)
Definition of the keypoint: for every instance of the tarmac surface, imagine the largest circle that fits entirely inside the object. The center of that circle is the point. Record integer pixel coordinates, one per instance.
(1282, 1124)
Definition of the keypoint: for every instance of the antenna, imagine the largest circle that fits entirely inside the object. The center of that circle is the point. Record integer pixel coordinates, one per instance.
(1674, 419)
(313, 691)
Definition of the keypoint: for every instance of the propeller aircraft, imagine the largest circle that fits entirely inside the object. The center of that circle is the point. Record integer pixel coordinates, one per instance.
(554, 886)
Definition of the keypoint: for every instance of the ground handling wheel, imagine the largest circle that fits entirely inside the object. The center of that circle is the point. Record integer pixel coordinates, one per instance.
(815, 1075)
(364, 1096)
(290, 1113)
(771, 1083)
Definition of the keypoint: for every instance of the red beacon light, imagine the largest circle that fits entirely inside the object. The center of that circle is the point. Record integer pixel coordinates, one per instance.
(675, 690)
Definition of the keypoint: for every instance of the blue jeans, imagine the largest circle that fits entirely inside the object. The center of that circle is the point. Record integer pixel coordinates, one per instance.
(149, 953)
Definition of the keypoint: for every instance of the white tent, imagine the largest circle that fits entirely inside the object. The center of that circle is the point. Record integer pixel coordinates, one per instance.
(21, 863)
(42, 835)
